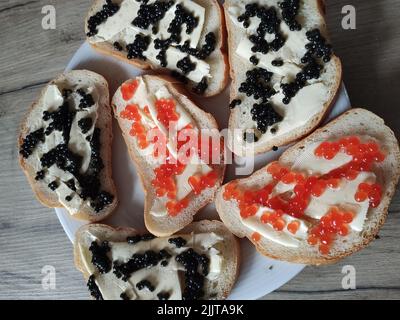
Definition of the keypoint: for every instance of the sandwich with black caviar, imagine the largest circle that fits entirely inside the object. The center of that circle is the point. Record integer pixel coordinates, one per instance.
(181, 37)
(327, 196)
(176, 147)
(201, 262)
(65, 146)
(285, 74)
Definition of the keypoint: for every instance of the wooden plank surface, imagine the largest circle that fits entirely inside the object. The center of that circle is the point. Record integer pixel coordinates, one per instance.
(30, 235)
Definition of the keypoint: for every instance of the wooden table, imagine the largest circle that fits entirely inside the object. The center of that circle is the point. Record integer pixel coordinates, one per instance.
(31, 236)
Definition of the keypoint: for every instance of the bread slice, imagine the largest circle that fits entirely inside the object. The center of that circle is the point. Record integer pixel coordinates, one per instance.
(167, 225)
(308, 115)
(358, 122)
(217, 60)
(73, 80)
(217, 289)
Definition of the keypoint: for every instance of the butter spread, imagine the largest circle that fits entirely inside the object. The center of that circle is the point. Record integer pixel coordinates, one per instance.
(164, 278)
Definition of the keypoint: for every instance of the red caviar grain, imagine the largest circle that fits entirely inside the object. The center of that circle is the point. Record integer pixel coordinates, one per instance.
(256, 237)
(293, 227)
(128, 90)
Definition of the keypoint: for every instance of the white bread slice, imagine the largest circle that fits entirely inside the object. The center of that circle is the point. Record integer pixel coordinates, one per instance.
(165, 226)
(311, 15)
(229, 247)
(218, 60)
(354, 122)
(80, 79)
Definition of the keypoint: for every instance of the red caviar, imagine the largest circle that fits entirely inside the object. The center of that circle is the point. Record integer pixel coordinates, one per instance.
(166, 112)
(256, 237)
(200, 183)
(175, 207)
(128, 90)
(335, 223)
(131, 112)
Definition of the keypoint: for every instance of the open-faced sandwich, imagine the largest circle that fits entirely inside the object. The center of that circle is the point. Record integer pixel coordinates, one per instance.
(176, 147)
(65, 146)
(183, 37)
(326, 197)
(285, 75)
(201, 262)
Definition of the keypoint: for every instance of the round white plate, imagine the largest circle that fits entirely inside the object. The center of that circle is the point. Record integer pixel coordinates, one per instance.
(258, 275)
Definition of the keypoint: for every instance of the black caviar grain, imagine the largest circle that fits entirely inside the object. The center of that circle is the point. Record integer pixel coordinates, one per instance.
(151, 14)
(85, 124)
(31, 141)
(254, 60)
(186, 65)
(163, 295)
(53, 185)
(86, 101)
(275, 148)
(201, 87)
(234, 103)
(164, 263)
(117, 46)
(93, 288)
(138, 47)
(40, 175)
(164, 254)
(290, 9)
(265, 116)
(137, 262)
(108, 10)
(124, 296)
(273, 130)
(277, 63)
(177, 242)
(145, 284)
(138, 238)
(100, 258)
(68, 198)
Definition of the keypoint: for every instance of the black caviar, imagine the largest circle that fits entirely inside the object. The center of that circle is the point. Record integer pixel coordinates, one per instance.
(108, 10)
(124, 296)
(163, 295)
(85, 124)
(31, 141)
(254, 60)
(68, 198)
(100, 258)
(137, 262)
(53, 185)
(178, 242)
(234, 103)
(60, 120)
(179, 77)
(40, 175)
(201, 87)
(277, 63)
(265, 116)
(317, 47)
(138, 47)
(145, 284)
(257, 84)
(290, 9)
(194, 281)
(206, 49)
(93, 288)
(86, 101)
(117, 46)
(139, 238)
(151, 14)
(186, 65)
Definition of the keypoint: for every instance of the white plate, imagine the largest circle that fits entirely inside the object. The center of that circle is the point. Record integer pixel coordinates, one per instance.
(258, 275)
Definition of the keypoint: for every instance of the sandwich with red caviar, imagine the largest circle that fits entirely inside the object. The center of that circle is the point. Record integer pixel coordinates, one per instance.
(176, 148)
(326, 198)
(185, 38)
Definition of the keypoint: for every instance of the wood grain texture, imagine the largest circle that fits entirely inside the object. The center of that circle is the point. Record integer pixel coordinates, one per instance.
(31, 236)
